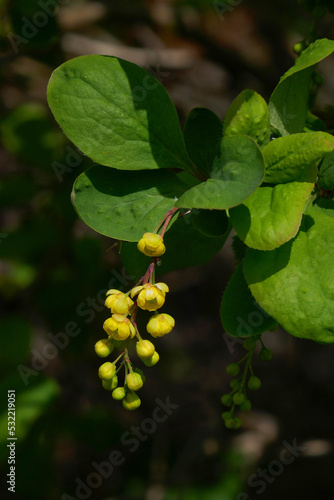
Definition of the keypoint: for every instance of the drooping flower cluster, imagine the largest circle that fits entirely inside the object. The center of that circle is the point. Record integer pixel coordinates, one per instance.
(121, 327)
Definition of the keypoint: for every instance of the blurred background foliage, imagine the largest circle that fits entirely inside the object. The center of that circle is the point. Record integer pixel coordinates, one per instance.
(54, 269)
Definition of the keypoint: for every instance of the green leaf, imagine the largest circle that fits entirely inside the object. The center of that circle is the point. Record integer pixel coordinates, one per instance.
(124, 205)
(273, 214)
(202, 132)
(324, 206)
(326, 172)
(314, 124)
(212, 223)
(117, 114)
(288, 105)
(241, 315)
(295, 283)
(248, 115)
(238, 170)
(185, 247)
(288, 157)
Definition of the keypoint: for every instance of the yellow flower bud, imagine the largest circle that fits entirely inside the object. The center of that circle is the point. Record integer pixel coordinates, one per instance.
(103, 348)
(118, 327)
(107, 371)
(152, 245)
(110, 385)
(118, 393)
(134, 381)
(152, 360)
(131, 401)
(150, 297)
(145, 349)
(160, 324)
(118, 302)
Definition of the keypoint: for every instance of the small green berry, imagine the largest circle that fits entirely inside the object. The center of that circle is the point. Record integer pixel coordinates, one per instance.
(118, 393)
(103, 348)
(145, 349)
(236, 383)
(233, 369)
(110, 385)
(249, 344)
(226, 400)
(141, 373)
(266, 354)
(134, 381)
(246, 405)
(229, 422)
(237, 423)
(131, 401)
(226, 414)
(299, 47)
(107, 371)
(233, 422)
(238, 398)
(254, 383)
(152, 360)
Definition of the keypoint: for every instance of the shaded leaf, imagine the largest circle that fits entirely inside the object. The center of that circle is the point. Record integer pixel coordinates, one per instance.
(237, 171)
(124, 205)
(185, 247)
(241, 315)
(202, 132)
(326, 172)
(212, 223)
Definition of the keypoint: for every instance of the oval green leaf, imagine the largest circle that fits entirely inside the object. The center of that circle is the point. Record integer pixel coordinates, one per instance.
(287, 158)
(124, 205)
(248, 115)
(288, 105)
(238, 170)
(273, 214)
(295, 283)
(117, 114)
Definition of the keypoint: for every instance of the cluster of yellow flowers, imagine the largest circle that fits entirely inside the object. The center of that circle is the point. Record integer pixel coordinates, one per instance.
(121, 327)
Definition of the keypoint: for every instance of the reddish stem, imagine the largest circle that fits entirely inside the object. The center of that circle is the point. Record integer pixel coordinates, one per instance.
(168, 218)
(149, 272)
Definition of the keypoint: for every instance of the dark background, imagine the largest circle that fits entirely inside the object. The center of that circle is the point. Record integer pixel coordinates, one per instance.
(53, 268)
